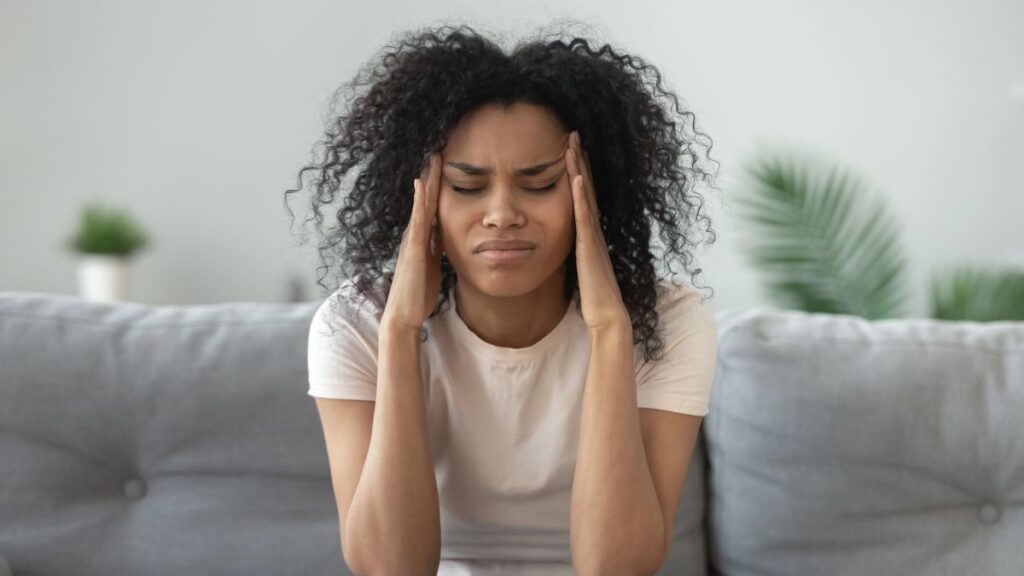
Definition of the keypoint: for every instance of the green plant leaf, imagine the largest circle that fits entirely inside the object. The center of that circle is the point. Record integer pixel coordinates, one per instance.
(105, 230)
(970, 292)
(822, 243)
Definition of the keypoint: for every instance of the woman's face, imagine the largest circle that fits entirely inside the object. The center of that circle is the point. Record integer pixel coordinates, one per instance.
(504, 178)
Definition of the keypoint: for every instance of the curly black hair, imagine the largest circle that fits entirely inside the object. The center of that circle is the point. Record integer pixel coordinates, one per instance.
(645, 164)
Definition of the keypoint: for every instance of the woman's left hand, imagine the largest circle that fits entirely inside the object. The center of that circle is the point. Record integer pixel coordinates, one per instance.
(600, 298)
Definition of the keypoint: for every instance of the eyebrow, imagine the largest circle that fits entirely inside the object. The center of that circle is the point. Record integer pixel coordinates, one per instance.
(485, 171)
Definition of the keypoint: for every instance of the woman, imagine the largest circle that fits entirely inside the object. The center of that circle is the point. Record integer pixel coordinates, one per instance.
(506, 384)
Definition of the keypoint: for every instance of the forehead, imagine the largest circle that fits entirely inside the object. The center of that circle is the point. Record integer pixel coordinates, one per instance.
(521, 132)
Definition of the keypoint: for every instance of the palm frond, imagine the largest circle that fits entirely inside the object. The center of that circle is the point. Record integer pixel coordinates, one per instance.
(971, 293)
(823, 243)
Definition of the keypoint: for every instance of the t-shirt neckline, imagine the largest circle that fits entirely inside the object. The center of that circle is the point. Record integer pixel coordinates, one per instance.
(469, 338)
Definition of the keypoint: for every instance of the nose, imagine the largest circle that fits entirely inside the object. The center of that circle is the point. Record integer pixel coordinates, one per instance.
(501, 210)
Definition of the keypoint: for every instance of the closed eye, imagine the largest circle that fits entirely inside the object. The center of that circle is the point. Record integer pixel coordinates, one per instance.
(469, 190)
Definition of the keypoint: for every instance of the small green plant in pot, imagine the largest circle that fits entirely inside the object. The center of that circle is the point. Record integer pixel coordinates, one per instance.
(105, 241)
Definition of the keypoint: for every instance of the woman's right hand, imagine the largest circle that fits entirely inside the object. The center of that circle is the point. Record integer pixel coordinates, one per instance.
(416, 284)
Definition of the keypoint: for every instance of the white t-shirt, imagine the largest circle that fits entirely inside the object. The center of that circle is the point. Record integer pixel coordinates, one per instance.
(504, 422)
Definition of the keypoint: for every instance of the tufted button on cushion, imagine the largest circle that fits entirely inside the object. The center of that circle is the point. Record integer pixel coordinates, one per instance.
(989, 513)
(134, 487)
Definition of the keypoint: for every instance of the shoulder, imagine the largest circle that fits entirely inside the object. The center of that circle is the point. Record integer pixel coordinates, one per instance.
(342, 346)
(682, 300)
(679, 377)
(684, 315)
(356, 305)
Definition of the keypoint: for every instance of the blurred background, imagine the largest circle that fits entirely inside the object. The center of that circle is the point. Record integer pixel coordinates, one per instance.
(195, 116)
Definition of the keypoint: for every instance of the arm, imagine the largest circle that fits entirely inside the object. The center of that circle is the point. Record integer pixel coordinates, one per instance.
(394, 525)
(616, 519)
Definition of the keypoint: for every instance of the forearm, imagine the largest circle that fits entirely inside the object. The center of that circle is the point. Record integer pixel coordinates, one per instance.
(616, 523)
(394, 524)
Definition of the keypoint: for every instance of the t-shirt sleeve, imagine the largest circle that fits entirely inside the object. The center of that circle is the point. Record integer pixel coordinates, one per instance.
(680, 381)
(342, 353)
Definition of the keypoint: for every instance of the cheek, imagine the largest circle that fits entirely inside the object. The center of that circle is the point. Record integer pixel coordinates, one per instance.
(565, 207)
(448, 222)
(558, 215)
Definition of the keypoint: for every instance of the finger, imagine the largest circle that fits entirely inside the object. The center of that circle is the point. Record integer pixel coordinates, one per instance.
(434, 187)
(570, 165)
(425, 170)
(574, 143)
(404, 241)
(422, 198)
(583, 166)
(416, 226)
(572, 173)
(581, 209)
(577, 171)
(577, 159)
(428, 212)
(589, 175)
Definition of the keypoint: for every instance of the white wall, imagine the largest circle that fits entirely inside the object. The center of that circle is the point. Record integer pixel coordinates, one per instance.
(196, 115)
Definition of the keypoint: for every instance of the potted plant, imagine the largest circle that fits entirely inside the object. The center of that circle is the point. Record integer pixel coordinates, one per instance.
(105, 242)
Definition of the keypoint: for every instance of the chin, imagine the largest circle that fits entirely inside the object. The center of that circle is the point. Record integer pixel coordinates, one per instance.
(501, 283)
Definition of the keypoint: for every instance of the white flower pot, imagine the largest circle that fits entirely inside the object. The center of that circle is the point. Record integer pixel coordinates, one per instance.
(103, 278)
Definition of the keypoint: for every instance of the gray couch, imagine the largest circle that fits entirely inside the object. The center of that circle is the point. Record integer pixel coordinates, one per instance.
(180, 440)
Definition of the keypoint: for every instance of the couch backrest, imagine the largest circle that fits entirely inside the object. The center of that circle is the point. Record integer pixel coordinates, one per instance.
(136, 439)
(177, 440)
(838, 446)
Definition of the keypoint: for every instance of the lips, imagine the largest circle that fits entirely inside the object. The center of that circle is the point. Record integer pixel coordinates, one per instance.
(504, 245)
(505, 256)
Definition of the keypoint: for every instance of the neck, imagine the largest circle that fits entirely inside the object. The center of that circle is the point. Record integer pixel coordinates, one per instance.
(513, 321)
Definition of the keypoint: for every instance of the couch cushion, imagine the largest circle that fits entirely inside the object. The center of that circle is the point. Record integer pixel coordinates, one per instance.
(136, 439)
(838, 445)
(688, 555)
